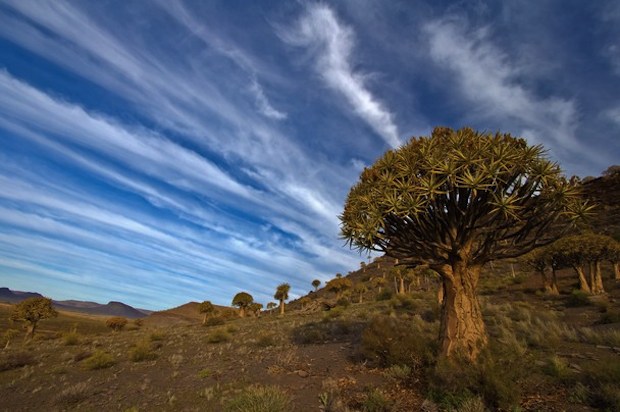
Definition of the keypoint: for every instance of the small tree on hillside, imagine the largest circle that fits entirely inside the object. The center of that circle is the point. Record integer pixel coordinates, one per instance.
(255, 309)
(338, 286)
(360, 289)
(378, 283)
(207, 309)
(539, 260)
(316, 283)
(116, 323)
(271, 306)
(33, 310)
(242, 300)
(282, 295)
(457, 200)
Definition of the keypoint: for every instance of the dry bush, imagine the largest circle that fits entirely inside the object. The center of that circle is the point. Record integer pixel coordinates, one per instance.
(325, 331)
(260, 399)
(98, 360)
(215, 321)
(73, 395)
(389, 341)
(142, 351)
(376, 401)
(14, 360)
(218, 336)
(116, 323)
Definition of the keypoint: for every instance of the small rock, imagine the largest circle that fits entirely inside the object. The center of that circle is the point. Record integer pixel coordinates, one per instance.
(603, 347)
(575, 367)
(303, 374)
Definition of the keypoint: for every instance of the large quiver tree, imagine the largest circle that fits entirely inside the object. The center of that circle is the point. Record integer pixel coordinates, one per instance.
(455, 201)
(33, 310)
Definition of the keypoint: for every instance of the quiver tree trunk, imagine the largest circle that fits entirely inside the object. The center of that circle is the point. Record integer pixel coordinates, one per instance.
(616, 266)
(462, 331)
(32, 327)
(583, 282)
(401, 288)
(596, 278)
(281, 307)
(553, 285)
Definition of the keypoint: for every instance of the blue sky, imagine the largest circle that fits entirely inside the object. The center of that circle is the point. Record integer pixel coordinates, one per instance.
(166, 151)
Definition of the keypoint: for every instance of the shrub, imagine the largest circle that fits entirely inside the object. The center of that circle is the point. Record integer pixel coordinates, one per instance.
(343, 302)
(15, 360)
(73, 395)
(385, 294)
(71, 338)
(610, 317)
(602, 379)
(214, 321)
(157, 336)
(218, 336)
(398, 372)
(142, 351)
(578, 298)
(495, 377)
(116, 323)
(389, 341)
(259, 399)
(98, 360)
(376, 402)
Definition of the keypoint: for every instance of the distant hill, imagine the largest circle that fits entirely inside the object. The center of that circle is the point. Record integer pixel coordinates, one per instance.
(187, 313)
(92, 308)
(605, 192)
(14, 296)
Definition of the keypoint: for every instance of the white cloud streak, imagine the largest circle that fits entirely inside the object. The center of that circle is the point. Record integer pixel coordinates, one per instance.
(331, 43)
(487, 79)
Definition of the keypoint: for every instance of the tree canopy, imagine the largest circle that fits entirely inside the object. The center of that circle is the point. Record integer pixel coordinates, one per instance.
(490, 196)
(242, 300)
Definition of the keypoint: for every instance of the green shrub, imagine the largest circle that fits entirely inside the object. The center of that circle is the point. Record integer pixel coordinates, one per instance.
(385, 294)
(71, 338)
(376, 402)
(98, 360)
(557, 368)
(157, 336)
(142, 351)
(260, 399)
(218, 336)
(398, 372)
(389, 341)
(495, 377)
(578, 298)
(602, 379)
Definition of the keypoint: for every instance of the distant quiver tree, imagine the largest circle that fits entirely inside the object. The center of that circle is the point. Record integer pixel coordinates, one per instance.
(316, 283)
(455, 201)
(207, 309)
(282, 295)
(242, 300)
(32, 310)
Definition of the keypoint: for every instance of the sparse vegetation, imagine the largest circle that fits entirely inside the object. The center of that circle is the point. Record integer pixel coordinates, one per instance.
(116, 323)
(259, 399)
(98, 360)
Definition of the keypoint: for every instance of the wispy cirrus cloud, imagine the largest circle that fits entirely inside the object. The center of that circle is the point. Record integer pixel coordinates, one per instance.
(487, 79)
(330, 44)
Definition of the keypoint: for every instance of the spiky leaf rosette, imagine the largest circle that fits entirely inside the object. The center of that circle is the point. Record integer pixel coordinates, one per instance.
(460, 194)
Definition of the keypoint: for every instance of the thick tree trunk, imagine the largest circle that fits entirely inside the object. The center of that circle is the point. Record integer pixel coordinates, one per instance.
(204, 320)
(583, 282)
(441, 293)
(553, 287)
(241, 312)
(402, 286)
(361, 297)
(281, 307)
(616, 266)
(32, 327)
(597, 278)
(462, 330)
